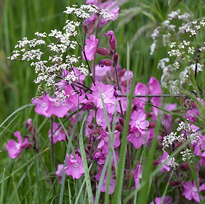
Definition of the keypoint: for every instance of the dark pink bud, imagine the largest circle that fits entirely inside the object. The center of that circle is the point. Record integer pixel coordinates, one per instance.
(174, 183)
(90, 126)
(149, 115)
(155, 162)
(121, 73)
(107, 62)
(185, 166)
(103, 51)
(152, 125)
(115, 58)
(118, 127)
(112, 43)
(121, 120)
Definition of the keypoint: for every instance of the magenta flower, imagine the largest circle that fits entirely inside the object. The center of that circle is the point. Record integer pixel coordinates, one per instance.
(137, 138)
(57, 108)
(111, 182)
(138, 120)
(105, 141)
(162, 159)
(190, 191)
(42, 105)
(59, 172)
(139, 102)
(58, 134)
(166, 200)
(107, 92)
(91, 45)
(138, 175)
(74, 167)
(15, 148)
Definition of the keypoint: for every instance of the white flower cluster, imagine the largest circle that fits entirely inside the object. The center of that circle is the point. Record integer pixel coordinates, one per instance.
(181, 51)
(184, 132)
(186, 154)
(51, 61)
(85, 10)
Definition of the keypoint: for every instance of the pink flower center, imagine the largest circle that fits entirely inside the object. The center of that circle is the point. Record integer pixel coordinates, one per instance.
(44, 104)
(18, 146)
(106, 139)
(76, 165)
(57, 104)
(72, 92)
(194, 189)
(98, 121)
(137, 134)
(103, 95)
(137, 122)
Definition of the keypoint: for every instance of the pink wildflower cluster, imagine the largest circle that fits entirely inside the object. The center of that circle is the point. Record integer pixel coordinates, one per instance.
(106, 105)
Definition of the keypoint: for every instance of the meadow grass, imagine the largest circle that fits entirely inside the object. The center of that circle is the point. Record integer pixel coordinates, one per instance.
(25, 180)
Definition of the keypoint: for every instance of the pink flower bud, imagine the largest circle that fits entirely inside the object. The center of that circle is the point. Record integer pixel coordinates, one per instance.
(121, 73)
(107, 62)
(119, 128)
(121, 120)
(152, 125)
(103, 51)
(112, 43)
(115, 58)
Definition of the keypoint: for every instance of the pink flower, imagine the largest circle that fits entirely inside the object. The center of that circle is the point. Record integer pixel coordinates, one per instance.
(166, 200)
(42, 105)
(105, 141)
(138, 120)
(91, 45)
(137, 138)
(109, 6)
(101, 72)
(58, 134)
(140, 89)
(15, 148)
(59, 172)
(48, 106)
(107, 92)
(58, 109)
(74, 167)
(111, 182)
(162, 159)
(138, 175)
(190, 190)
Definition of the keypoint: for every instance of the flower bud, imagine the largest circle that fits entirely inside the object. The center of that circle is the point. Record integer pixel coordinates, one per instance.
(121, 72)
(155, 162)
(90, 126)
(152, 125)
(121, 120)
(115, 58)
(118, 127)
(174, 183)
(112, 43)
(103, 51)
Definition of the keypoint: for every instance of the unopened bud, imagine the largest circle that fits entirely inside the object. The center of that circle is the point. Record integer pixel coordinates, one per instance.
(185, 166)
(174, 183)
(155, 162)
(121, 73)
(118, 127)
(112, 43)
(152, 125)
(115, 58)
(103, 51)
(107, 62)
(121, 120)
(90, 126)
